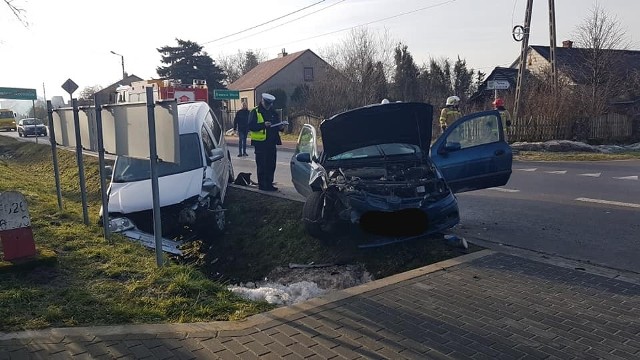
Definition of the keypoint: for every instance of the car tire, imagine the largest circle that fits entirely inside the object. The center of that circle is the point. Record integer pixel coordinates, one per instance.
(314, 223)
(19, 133)
(218, 223)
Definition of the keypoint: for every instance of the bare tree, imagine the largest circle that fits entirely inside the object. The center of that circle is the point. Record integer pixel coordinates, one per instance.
(365, 61)
(19, 13)
(240, 63)
(602, 71)
(86, 95)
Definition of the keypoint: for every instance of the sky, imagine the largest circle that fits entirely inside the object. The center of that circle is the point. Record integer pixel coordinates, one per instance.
(74, 38)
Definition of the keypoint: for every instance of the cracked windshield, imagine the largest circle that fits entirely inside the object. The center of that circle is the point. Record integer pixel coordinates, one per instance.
(320, 179)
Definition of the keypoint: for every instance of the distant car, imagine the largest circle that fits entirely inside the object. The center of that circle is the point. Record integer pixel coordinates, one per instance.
(7, 120)
(191, 192)
(30, 126)
(378, 169)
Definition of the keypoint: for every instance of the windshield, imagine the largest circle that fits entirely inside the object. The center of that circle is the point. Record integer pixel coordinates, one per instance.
(374, 151)
(31, 122)
(6, 114)
(129, 169)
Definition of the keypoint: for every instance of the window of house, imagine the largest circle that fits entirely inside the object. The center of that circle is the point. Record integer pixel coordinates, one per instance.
(308, 74)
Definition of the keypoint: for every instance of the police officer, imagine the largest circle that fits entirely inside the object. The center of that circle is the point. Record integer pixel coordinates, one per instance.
(264, 138)
(450, 113)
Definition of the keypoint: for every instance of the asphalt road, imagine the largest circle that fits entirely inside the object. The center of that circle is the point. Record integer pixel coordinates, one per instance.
(586, 211)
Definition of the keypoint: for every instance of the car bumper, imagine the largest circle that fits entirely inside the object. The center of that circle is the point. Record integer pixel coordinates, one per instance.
(33, 132)
(125, 227)
(439, 216)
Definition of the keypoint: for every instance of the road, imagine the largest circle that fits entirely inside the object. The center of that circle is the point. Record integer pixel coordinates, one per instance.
(586, 211)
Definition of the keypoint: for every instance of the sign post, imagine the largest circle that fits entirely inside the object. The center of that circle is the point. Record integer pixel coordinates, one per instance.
(54, 153)
(15, 227)
(155, 188)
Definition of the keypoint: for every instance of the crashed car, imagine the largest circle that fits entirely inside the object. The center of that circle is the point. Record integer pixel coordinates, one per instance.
(191, 192)
(378, 169)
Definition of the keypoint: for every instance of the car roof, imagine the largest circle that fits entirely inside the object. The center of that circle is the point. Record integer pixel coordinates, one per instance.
(191, 116)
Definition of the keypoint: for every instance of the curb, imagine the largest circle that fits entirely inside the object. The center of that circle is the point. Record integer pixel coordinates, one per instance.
(252, 321)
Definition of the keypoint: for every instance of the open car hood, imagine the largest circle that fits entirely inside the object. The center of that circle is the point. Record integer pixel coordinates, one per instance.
(406, 123)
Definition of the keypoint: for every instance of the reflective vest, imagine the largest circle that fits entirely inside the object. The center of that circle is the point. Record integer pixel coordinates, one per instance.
(448, 116)
(260, 135)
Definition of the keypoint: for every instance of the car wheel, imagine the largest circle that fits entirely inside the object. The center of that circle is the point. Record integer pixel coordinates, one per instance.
(315, 223)
(218, 222)
(19, 133)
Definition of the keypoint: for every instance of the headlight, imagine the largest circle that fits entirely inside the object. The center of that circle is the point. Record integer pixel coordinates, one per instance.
(120, 225)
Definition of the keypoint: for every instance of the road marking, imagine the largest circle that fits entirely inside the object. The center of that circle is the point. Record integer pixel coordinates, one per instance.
(561, 172)
(591, 175)
(607, 202)
(534, 169)
(504, 190)
(635, 177)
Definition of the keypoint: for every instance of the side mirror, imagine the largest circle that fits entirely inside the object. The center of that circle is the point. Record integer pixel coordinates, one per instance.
(216, 154)
(304, 157)
(453, 146)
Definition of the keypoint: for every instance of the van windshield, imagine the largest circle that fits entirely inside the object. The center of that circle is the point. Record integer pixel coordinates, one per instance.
(129, 169)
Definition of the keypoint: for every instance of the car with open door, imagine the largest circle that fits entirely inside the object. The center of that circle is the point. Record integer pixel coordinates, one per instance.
(379, 170)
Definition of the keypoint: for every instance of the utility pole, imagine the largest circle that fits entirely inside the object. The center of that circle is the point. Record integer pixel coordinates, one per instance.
(523, 59)
(552, 44)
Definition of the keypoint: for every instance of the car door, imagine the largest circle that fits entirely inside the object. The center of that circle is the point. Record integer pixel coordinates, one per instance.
(220, 167)
(472, 153)
(301, 171)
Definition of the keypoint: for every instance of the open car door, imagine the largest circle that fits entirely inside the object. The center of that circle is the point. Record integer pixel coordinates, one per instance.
(472, 153)
(301, 171)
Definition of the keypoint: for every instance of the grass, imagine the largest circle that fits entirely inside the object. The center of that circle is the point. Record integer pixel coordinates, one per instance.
(94, 282)
(574, 156)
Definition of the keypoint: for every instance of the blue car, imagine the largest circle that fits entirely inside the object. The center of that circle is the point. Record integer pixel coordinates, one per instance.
(378, 170)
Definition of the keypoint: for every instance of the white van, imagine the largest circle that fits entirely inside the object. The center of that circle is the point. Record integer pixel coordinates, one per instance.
(191, 192)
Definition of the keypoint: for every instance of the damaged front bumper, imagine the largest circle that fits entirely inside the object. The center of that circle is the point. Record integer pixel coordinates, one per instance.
(126, 227)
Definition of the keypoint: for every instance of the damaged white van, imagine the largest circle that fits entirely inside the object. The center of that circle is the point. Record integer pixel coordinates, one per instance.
(191, 192)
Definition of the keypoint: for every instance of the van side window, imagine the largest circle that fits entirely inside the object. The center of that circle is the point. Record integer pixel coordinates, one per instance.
(214, 124)
(207, 141)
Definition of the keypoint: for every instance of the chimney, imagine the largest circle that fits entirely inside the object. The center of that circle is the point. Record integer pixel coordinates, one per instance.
(567, 44)
(282, 54)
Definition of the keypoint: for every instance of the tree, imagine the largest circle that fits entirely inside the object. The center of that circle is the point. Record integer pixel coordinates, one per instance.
(406, 86)
(86, 95)
(17, 12)
(234, 66)
(187, 62)
(602, 68)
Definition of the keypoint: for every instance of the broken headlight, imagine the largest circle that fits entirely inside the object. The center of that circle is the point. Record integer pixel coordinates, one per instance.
(120, 225)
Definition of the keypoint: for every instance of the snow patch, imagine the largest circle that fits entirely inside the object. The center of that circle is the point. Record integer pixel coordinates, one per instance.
(288, 286)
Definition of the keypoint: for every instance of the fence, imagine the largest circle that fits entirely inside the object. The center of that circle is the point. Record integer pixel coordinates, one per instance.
(610, 127)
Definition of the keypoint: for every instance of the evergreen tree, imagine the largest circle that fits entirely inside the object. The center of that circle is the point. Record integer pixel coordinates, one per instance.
(187, 62)
(406, 76)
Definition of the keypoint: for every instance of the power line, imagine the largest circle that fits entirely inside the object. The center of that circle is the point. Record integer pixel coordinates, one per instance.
(264, 23)
(285, 23)
(367, 23)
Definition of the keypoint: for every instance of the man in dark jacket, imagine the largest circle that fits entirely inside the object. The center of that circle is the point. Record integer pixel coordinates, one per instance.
(264, 138)
(241, 125)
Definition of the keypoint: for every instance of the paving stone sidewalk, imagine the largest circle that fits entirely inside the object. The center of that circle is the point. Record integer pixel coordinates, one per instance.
(483, 305)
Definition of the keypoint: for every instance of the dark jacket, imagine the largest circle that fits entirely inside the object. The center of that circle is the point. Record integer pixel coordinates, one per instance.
(273, 133)
(241, 121)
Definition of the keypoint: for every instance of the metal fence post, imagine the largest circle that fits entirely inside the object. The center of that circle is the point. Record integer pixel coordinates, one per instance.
(101, 164)
(54, 153)
(83, 188)
(153, 160)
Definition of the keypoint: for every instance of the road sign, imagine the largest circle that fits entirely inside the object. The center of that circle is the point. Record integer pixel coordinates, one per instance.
(17, 93)
(497, 85)
(222, 94)
(69, 86)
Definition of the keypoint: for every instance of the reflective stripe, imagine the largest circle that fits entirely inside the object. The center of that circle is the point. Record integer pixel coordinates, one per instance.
(260, 135)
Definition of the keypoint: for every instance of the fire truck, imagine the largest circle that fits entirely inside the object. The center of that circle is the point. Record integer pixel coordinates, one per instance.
(164, 90)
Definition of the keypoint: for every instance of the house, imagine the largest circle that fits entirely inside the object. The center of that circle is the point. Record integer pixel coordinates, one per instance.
(573, 63)
(483, 94)
(286, 72)
(109, 95)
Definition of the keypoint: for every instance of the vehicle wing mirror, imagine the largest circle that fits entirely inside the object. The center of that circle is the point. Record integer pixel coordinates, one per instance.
(303, 157)
(216, 154)
(452, 146)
